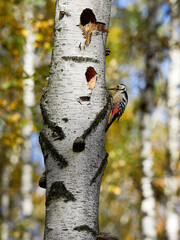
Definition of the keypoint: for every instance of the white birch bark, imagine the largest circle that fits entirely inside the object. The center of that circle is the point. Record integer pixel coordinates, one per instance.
(29, 101)
(73, 136)
(148, 221)
(6, 177)
(173, 96)
(148, 201)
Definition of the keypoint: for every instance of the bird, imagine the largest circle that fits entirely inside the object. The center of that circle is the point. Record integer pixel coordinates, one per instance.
(119, 103)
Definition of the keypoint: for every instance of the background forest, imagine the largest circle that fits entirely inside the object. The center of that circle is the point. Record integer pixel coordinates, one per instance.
(140, 189)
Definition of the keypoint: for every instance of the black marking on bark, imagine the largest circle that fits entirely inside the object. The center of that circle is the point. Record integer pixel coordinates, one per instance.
(100, 169)
(80, 59)
(59, 191)
(107, 52)
(61, 14)
(42, 180)
(100, 116)
(85, 98)
(87, 16)
(43, 147)
(48, 147)
(65, 119)
(57, 29)
(79, 144)
(43, 108)
(58, 133)
(85, 228)
(48, 228)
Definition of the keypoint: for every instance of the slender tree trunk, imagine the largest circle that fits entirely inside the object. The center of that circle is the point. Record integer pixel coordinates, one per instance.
(148, 220)
(6, 176)
(28, 100)
(75, 115)
(171, 181)
(6, 195)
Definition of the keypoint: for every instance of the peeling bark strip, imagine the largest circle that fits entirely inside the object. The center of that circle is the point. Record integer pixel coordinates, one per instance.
(88, 24)
(45, 143)
(79, 59)
(85, 228)
(79, 144)
(91, 77)
(59, 191)
(90, 73)
(100, 169)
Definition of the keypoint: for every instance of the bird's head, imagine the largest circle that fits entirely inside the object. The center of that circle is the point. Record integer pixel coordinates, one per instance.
(120, 87)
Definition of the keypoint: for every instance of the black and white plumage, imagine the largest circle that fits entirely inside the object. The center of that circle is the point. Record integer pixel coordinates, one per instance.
(119, 103)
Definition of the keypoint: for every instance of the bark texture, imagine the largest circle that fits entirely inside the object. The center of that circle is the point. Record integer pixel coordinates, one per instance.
(75, 116)
(148, 221)
(171, 180)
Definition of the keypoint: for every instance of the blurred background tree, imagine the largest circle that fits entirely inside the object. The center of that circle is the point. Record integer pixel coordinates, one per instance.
(142, 177)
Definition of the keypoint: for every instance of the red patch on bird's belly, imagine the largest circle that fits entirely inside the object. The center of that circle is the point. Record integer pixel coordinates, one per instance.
(114, 111)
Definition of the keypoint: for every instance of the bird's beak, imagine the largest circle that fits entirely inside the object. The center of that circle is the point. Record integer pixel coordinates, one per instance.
(112, 88)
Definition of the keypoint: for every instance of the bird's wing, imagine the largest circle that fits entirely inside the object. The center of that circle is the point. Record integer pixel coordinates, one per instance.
(121, 109)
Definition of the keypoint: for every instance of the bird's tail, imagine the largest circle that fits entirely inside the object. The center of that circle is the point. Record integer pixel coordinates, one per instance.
(109, 123)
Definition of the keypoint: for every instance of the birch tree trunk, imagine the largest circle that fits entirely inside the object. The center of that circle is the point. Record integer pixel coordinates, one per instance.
(148, 220)
(6, 177)
(75, 115)
(29, 101)
(171, 180)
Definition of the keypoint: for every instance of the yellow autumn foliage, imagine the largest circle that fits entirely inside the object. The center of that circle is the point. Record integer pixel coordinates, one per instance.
(13, 105)
(24, 32)
(114, 189)
(15, 117)
(46, 45)
(39, 37)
